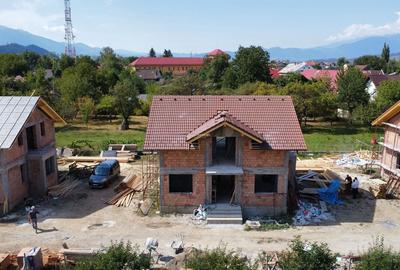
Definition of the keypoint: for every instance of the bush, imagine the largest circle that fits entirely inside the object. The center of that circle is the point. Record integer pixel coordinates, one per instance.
(379, 257)
(217, 259)
(117, 256)
(303, 255)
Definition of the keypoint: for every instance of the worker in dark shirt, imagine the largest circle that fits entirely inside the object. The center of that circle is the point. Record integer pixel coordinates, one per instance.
(348, 181)
(32, 216)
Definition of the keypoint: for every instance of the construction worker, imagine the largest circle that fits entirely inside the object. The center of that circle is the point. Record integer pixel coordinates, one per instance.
(354, 187)
(348, 180)
(32, 217)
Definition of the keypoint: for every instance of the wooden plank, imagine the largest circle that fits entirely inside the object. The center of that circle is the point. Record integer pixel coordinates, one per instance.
(94, 159)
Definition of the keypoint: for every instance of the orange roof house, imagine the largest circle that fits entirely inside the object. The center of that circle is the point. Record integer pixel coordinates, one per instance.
(224, 150)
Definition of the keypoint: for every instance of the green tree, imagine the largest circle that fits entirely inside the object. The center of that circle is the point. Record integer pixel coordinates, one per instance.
(388, 93)
(372, 61)
(109, 70)
(328, 106)
(303, 255)
(65, 62)
(286, 79)
(38, 84)
(257, 88)
(217, 259)
(341, 61)
(13, 65)
(305, 98)
(118, 256)
(106, 105)
(191, 84)
(152, 53)
(352, 89)
(167, 53)
(214, 69)
(86, 108)
(230, 78)
(31, 59)
(125, 92)
(386, 53)
(251, 64)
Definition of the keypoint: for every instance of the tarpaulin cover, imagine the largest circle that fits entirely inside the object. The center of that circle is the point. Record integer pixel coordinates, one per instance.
(330, 194)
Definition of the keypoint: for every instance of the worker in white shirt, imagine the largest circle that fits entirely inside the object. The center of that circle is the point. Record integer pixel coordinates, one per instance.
(354, 187)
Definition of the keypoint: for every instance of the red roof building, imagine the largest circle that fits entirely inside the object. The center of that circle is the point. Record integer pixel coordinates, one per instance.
(221, 149)
(315, 74)
(216, 52)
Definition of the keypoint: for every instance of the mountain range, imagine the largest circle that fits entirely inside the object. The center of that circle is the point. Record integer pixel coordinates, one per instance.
(350, 49)
(17, 48)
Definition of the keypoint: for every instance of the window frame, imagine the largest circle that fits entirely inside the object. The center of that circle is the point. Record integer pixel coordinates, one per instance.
(398, 161)
(257, 177)
(20, 139)
(49, 165)
(42, 129)
(175, 191)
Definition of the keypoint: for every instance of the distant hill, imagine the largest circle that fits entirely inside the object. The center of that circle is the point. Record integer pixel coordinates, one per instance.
(351, 49)
(9, 35)
(16, 48)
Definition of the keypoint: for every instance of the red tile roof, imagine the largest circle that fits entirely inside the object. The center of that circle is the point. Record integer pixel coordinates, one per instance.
(315, 74)
(168, 61)
(219, 120)
(173, 118)
(216, 52)
(274, 72)
(377, 79)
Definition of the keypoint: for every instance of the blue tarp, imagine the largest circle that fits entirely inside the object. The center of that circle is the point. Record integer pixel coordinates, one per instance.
(330, 194)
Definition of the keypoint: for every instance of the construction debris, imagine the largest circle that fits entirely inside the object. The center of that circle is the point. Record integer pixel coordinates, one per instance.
(378, 188)
(122, 150)
(310, 182)
(5, 260)
(30, 258)
(309, 213)
(145, 206)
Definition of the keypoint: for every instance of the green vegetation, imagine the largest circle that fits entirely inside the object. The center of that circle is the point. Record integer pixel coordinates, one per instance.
(217, 259)
(118, 256)
(379, 257)
(303, 255)
(99, 134)
(322, 137)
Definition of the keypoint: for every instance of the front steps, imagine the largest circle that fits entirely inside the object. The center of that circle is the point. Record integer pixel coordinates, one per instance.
(224, 214)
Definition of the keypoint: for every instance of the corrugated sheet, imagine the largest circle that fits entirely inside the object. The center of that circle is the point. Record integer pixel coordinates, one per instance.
(14, 111)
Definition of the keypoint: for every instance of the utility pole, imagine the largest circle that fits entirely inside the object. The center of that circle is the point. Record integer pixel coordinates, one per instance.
(69, 35)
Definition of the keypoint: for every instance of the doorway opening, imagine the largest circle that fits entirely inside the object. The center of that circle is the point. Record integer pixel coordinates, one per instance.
(223, 187)
(224, 150)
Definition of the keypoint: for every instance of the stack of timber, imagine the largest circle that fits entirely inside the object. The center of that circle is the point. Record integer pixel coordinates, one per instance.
(98, 159)
(123, 150)
(378, 188)
(64, 188)
(310, 181)
(126, 191)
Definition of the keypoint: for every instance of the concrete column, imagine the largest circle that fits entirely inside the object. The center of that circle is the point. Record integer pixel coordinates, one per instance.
(208, 189)
(161, 159)
(238, 188)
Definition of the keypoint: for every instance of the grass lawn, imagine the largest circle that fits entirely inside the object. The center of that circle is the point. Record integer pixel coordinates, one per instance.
(319, 136)
(98, 134)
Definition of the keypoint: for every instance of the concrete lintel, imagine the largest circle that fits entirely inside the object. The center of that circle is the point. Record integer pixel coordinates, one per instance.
(224, 170)
(165, 170)
(266, 170)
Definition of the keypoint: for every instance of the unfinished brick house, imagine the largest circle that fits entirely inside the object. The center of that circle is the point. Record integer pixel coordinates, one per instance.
(224, 150)
(28, 164)
(390, 161)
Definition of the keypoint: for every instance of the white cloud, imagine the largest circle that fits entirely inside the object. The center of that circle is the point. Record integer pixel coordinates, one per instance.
(365, 30)
(28, 15)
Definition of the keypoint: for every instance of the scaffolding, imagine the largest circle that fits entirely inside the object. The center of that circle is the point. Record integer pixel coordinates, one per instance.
(151, 177)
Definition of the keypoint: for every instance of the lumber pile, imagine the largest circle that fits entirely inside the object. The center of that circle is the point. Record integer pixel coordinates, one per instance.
(378, 188)
(64, 188)
(126, 191)
(310, 181)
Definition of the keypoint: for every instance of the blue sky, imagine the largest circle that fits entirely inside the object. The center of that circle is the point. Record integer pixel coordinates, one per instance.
(202, 25)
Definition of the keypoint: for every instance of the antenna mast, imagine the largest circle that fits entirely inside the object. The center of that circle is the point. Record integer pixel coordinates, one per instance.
(69, 35)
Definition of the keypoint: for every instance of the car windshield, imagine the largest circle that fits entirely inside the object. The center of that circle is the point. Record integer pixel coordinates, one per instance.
(101, 170)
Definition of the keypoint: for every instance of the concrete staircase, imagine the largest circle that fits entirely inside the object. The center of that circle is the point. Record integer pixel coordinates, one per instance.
(224, 214)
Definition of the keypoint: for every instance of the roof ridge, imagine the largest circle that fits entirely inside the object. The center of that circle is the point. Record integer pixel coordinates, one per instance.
(246, 125)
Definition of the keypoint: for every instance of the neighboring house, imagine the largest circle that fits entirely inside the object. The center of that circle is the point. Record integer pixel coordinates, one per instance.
(215, 53)
(390, 160)
(375, 80)
(149, 74)
(315, 74)
(274, 72)
(295, 68)
(28, 164)
(224, 149)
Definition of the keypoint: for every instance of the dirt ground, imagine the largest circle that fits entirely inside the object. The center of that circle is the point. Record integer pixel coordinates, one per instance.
(83, 220)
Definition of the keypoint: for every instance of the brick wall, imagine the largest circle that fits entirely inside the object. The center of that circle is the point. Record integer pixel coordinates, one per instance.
(250, 198)
(185, 158)
(18, 189)
(186, 199)
(262, 158)
(38, 117)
